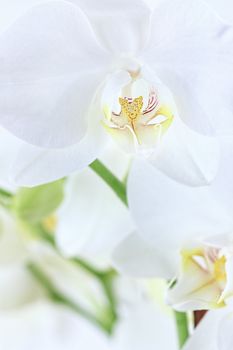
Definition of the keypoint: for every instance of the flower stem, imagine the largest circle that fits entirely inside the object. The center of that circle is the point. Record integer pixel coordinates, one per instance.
(182, 327)
(117, 186)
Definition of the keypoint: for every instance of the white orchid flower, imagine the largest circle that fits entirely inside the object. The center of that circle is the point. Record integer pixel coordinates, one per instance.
(205, 280)
(169, 215)
(157, 84)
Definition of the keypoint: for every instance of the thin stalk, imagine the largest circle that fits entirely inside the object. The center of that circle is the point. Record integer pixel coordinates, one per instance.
(182, 327)
(116, 185)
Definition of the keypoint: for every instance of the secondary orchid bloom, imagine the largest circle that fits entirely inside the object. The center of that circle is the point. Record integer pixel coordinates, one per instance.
(169, 215)
(156, 84)
(205, 279)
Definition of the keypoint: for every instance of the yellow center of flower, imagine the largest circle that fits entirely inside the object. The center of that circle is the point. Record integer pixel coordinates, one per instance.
(140, 122)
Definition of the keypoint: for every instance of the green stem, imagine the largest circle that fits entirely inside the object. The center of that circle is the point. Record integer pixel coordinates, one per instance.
(59, 298)
(117, 186)
(182, 327)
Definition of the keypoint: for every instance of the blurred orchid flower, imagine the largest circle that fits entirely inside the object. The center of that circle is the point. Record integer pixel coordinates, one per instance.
(156, 83)
(51, 327)
(48, 327)
(26, 312)
(17, 286)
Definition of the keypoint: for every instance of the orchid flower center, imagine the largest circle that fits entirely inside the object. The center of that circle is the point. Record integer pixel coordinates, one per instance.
(136, 117)
(212, 263)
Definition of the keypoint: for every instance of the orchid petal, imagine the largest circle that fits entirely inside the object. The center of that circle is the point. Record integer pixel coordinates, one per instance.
(122, 26)
(48, 75)
(224, 331)
(137, 258)
(223, 8)
(194, 58)
(187, 156)
(209, 325)
(146, 324)
(88, 211)
(228, 290)
(12, 9)
(9, 147)
(34, 166)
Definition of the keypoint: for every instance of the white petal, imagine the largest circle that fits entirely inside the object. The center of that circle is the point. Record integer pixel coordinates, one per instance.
(169, 214)
(9, 147)
(192, 54)
(112, 89)
(137, 258)
(224, 332)
(121, 25)
(45, 92)
(92, 220)
(187, 156)
(146, 327)
(228, 290)
(208, 326)
(223, 8)
(12, 9)
(116, 160)
(34, 166)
